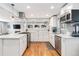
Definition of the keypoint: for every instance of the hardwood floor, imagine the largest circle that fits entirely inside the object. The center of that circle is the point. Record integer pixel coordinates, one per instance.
(40, 49)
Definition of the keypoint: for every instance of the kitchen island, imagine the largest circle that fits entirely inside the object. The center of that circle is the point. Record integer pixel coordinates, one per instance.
(13, 44)
(67, 45)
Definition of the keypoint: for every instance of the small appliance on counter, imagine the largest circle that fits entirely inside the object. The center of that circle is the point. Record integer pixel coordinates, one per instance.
(75, 32)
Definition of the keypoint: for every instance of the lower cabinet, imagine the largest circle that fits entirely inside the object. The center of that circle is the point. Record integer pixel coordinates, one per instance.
(52, 40)
(23, 45)
(0, 47)
(67, 45)
(39, 36)
(34, 36)
(43, 36)
(13, 46)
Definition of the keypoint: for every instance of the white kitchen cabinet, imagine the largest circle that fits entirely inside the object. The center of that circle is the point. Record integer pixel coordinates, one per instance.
(13, 44)
(39, 29)
(43, 36)
(11, 47)
(34, 36)
(39, 36)
(23, 44)
(0, 47)
(68, 45)
(46, 35)
(52, 40)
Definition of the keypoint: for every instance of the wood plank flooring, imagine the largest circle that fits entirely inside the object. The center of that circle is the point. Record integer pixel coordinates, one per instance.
(40, 49)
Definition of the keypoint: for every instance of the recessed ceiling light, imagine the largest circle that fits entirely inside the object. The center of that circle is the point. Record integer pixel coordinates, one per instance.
(32, 15)
(28, 7)
(47, 15)
(51, 7)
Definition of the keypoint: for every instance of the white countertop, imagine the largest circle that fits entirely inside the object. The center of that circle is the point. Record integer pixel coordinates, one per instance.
(12, 36)
(66, 36)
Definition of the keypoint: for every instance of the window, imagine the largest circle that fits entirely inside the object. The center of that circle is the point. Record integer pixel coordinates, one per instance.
(43, 26)
(30, 26)
(37, 26)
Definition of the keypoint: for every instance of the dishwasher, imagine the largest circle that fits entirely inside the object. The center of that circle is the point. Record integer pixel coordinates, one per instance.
(58, 44)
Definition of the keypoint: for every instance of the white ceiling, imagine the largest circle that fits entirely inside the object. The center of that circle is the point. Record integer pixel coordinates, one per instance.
(39, 10)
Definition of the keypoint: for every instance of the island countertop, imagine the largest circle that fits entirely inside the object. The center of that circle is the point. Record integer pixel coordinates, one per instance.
(15, 35)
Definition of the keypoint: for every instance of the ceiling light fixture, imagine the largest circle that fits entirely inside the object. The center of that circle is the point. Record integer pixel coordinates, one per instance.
(28, 7)
(32, 15)
(52, 7)
(47, 15)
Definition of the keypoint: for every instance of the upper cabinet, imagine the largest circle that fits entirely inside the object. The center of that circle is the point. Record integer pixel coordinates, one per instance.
(72, 16)
(70, 13)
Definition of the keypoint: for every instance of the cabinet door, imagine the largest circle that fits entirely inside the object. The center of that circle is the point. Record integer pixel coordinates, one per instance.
(11, 47)
(52, 40)
(43, 36)
(25, 41)
(23, 44)
(0, 47)
(34, 36)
